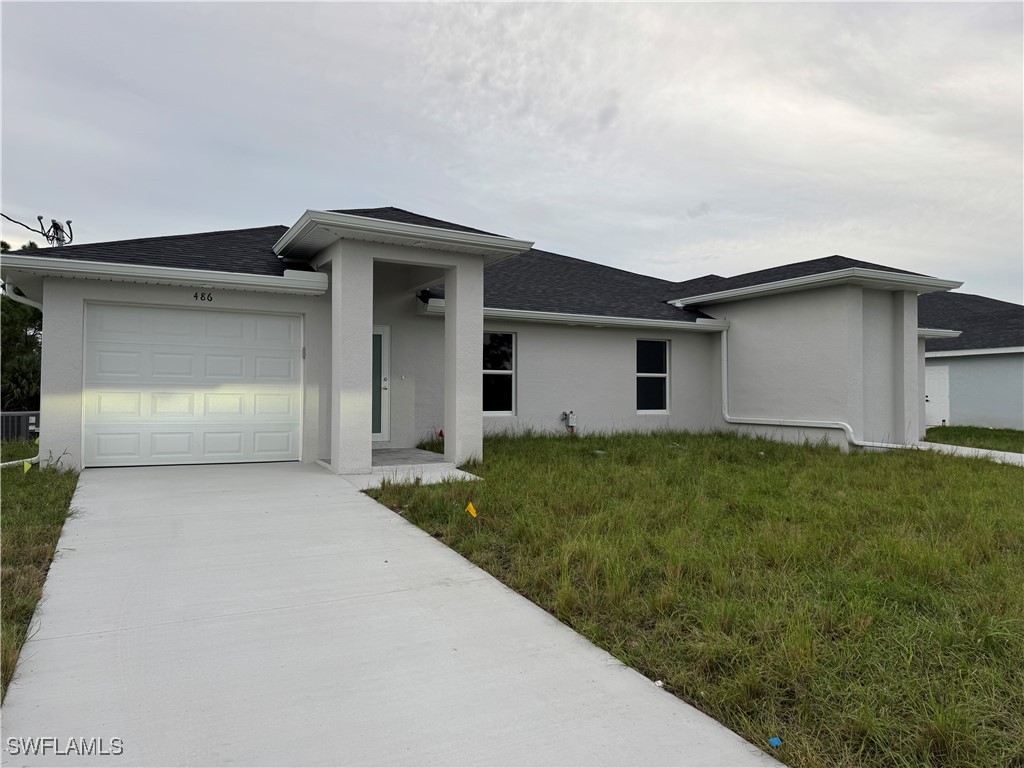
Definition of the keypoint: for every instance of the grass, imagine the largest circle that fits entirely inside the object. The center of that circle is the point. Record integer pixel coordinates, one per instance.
(866, 608)
(34, 508)
(979, 437)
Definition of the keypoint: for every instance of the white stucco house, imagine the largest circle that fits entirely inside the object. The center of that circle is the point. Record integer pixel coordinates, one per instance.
(977, 378)
(364, 328)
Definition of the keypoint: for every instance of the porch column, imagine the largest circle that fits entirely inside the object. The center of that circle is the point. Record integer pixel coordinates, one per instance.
(351, 361)
(905, 390)
(463, 362)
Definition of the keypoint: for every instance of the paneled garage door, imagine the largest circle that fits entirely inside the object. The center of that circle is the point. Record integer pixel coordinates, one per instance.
(190, 386)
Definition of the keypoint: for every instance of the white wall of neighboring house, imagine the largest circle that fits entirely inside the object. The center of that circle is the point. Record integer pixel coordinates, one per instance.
(984, 390)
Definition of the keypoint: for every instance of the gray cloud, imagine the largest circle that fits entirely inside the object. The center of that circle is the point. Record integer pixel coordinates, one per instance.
(883, 132)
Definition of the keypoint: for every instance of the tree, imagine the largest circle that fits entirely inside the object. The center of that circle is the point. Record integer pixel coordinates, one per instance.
(20, 350)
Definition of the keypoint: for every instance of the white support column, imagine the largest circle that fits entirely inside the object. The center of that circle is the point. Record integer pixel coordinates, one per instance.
(463, 362)
(351, 361)
(906, 411)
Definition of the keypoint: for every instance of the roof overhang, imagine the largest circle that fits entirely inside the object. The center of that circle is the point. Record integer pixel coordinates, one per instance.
(869, 278)
(436, 307)
(315, 230)
(16, 268)
(972, 352)
(937, 333)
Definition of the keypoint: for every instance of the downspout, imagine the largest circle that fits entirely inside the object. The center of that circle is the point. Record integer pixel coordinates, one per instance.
(10, 294)
(847, 429)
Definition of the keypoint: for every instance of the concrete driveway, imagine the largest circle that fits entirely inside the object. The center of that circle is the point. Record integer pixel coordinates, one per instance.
(273, 615)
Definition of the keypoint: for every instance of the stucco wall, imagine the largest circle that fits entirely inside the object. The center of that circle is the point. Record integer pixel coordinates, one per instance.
(63, 342)
(592, 371)
(838, 354)
(985, 390)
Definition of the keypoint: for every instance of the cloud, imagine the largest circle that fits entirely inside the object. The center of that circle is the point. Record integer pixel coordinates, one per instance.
(673, 139)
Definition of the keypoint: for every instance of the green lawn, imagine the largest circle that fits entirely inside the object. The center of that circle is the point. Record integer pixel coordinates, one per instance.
(34, 507)
(979, 437)
(867, 608)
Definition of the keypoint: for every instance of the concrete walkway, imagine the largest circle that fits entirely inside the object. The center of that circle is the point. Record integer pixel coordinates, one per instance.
(273, 615)
(1001, 457)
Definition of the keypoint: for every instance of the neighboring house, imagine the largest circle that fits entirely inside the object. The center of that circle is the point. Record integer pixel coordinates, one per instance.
(977, 378)
(366, 328)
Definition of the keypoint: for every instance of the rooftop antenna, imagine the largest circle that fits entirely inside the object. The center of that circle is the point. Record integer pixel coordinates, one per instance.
(56, 234)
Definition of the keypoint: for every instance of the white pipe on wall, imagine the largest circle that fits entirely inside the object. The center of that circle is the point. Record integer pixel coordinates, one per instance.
(806, 424)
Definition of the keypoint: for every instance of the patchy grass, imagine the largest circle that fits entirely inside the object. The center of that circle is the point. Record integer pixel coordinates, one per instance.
(979, 437)
(865, 607)
(35, 506)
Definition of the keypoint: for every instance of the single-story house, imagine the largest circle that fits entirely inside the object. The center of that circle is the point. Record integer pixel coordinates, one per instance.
(364, 328)
(977, 378)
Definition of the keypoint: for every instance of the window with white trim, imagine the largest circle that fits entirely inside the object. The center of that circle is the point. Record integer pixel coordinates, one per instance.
(651, 376)
(499, 373)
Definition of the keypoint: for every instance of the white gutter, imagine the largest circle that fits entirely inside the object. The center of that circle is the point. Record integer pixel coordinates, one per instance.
(293, 281)
(937, 333)
(10, 294)
(435, 307)
(801, 423)
(879, 278)
(970, 352)
(366, 228)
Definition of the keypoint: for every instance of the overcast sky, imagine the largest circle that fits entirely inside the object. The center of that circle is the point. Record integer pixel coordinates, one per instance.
(672, 140)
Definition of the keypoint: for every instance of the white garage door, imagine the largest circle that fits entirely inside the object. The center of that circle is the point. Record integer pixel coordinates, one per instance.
(190, 386)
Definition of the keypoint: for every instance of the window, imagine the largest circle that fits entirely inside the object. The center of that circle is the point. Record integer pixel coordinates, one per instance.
(651, 375)
(499, 373)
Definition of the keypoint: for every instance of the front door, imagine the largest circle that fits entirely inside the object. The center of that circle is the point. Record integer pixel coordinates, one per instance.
(381, 383)
(936, 395)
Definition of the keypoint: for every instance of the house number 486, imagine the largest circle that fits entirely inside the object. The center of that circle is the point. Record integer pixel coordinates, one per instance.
(202, 296)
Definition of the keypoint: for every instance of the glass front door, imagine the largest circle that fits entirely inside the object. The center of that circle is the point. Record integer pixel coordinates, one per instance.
(381, 386)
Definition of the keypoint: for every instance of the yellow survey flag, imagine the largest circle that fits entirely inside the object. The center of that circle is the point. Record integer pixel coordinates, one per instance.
(25, 467)
(471, 509)
(37, 441)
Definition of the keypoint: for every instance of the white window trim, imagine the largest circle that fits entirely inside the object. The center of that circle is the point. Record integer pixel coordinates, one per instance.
(668, 368)
(512, 373)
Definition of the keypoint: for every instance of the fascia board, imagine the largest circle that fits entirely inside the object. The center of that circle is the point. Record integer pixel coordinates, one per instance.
(293, 281)
(973, 352)
(362, 228)
(874, 278)
(436, 307)
(937, 333)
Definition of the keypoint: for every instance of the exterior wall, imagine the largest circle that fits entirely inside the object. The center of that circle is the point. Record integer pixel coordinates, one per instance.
(64, 333)
(985, 390)
(592, 371)
(837, 354)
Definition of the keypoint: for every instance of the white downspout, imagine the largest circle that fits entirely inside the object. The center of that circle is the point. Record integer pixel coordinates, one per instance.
(10, 294)
(847, 429)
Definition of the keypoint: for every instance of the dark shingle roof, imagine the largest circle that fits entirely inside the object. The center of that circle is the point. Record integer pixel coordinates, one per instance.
(714, 283)
(390, 213)
(248, 251)
(986, 323)
(540, 281)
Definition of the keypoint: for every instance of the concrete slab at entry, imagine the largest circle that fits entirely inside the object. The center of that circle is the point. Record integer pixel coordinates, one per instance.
(273, 615)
